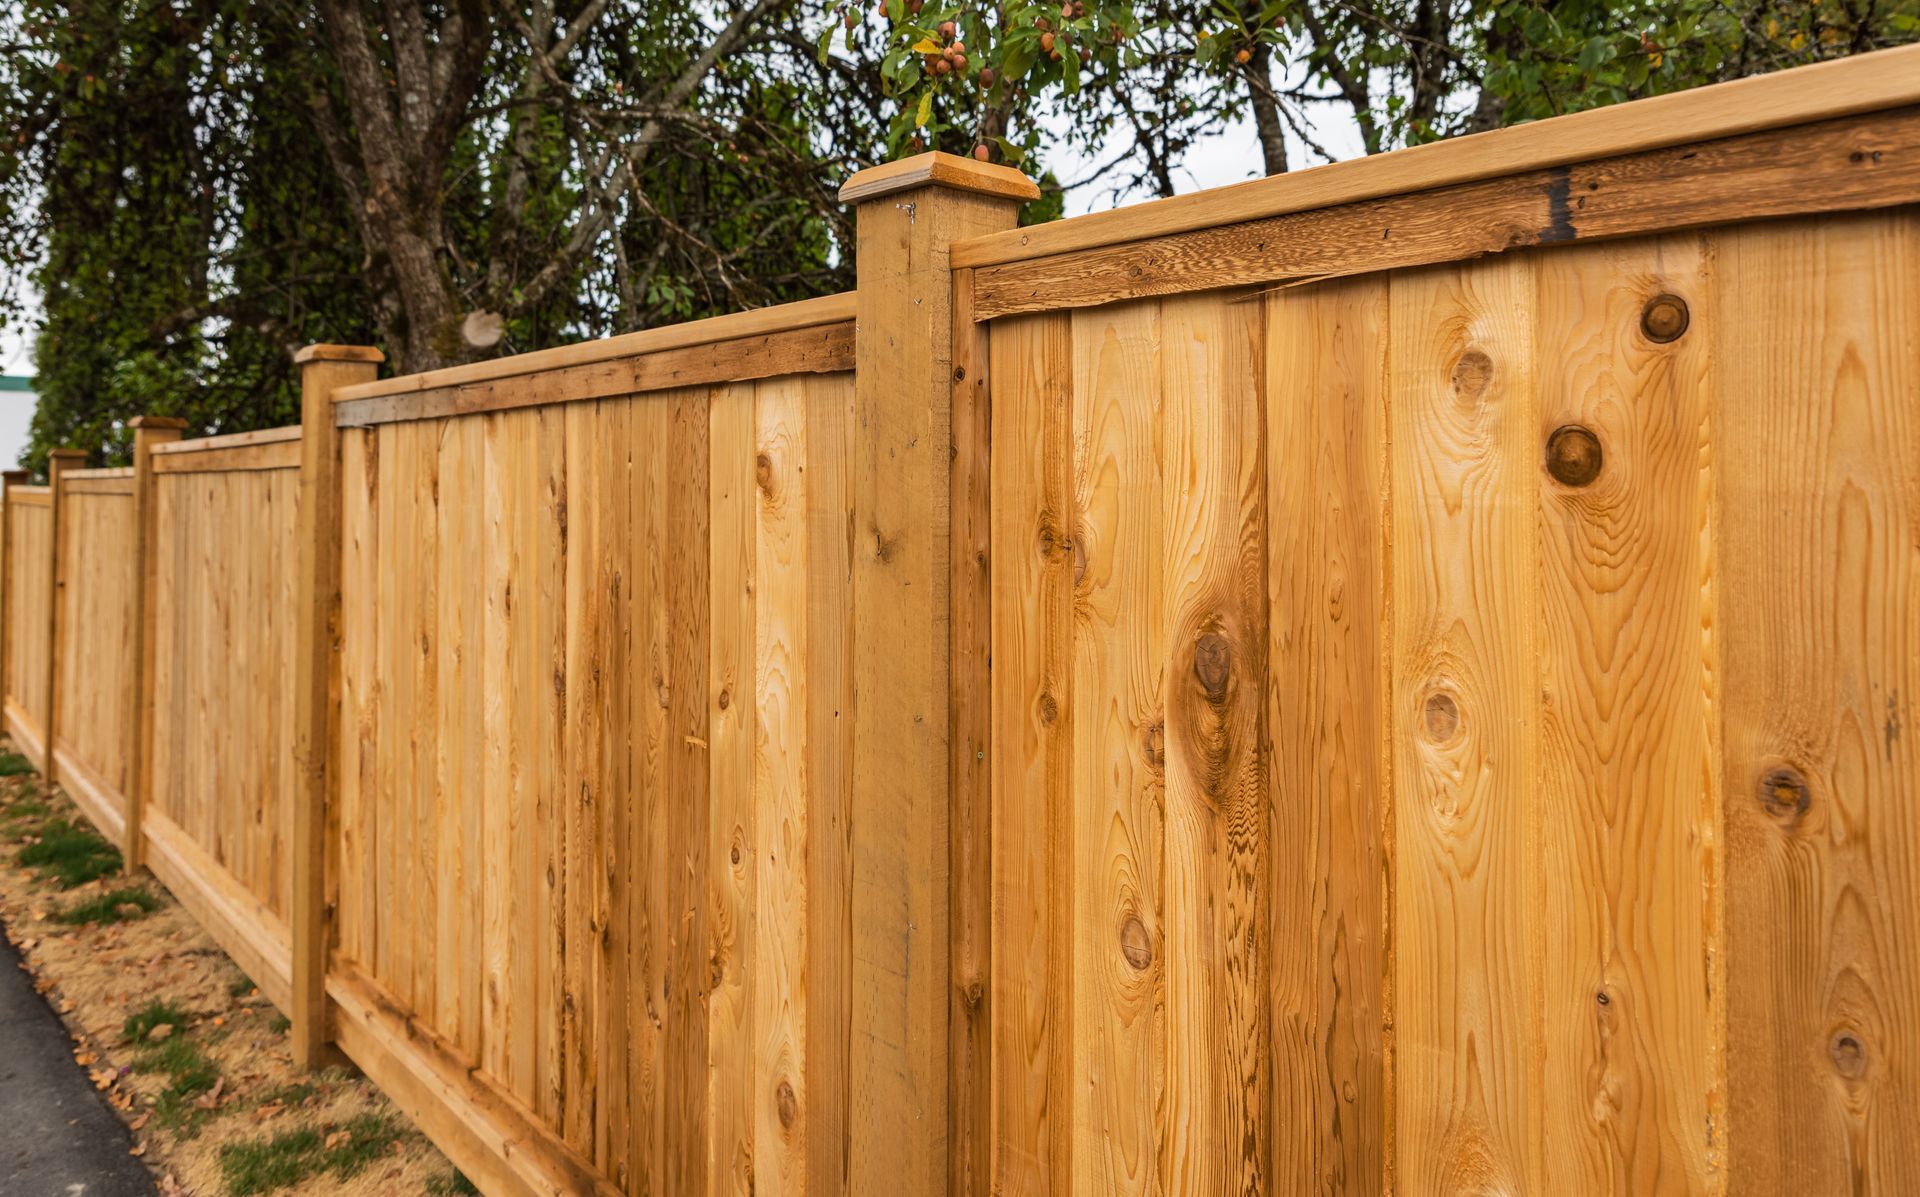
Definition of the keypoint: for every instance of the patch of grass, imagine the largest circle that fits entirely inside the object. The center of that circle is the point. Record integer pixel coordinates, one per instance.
(290, 1094)
(449, 1185)
(70, 855)
(29, 808)
(190, 1074)
(280, 1024)
(263, 1165)
(12, 764)
(141, 1022)
(241, 987)
(107, 908)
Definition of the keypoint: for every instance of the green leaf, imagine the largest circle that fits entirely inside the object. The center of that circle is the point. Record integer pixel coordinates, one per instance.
(925, 114)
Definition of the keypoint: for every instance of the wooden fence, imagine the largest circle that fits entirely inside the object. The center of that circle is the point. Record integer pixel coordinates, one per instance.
(1396, 679)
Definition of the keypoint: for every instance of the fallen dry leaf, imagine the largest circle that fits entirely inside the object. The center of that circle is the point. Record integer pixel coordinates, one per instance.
(141, 1121)
(337, 1138)
(210, 1100)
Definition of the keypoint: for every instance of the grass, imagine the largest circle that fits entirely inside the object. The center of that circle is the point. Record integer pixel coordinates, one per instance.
(241, 987)
(289, 1157)
(141, 1022)
(70, 855)
(449, 1185)
(12, 764)
(108, 907)
(280, 1024)
(190, 1074)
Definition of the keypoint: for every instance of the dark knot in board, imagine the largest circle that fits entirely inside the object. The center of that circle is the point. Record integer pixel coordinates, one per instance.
(1212, 664)
(1665, 318)
(1573, 455)
(1784, 794)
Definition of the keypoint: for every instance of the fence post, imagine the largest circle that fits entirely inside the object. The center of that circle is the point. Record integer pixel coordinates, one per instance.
(148, 431)
(58, 463)
(906, 474)
(323, 369)
(8, 480)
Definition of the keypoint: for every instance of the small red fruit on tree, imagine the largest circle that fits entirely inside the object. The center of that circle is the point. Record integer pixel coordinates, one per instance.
(1046, 42)
(981, 153)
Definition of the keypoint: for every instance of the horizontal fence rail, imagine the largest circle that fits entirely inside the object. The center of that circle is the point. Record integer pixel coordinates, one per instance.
(1391, 679)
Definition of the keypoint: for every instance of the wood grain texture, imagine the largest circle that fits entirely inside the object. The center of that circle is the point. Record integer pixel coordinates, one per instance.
(1328, 579)
(1836, 88)
(1467, 888)
(902, 475)
(97, 610)
(1853, 163)
(827, 349)
(222, 761)
(1818, 510)
(601, 619)
(1032, 737)
(29, 598)
(1118, 688)
(1215, 760)
(1626, 810)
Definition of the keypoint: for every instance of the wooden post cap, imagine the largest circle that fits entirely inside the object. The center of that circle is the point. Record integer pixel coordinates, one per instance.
(15, 476)
(338, 353)
(938, 170)
(156, 422)
(66, 455)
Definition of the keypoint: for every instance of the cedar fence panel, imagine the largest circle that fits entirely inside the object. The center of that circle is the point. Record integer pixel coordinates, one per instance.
(221, 771)
(1397, 678)
(29, 616)
(93, 729)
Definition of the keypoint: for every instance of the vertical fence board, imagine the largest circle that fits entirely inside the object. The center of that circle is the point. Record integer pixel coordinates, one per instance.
(736, 851)
(1033, 522)
(1119, 734)
(1818, 395)
(1327, 587)
(780, 1098)
(1627, 817)
(1466, 890)
(1215, 763)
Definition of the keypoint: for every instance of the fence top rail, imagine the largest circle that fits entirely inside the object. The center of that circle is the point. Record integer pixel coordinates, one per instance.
(30, 492)
(1843, 87)
(806, 313)
(231, 440)
(108, 472)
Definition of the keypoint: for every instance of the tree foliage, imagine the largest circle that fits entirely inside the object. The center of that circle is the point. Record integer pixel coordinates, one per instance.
(196, 187)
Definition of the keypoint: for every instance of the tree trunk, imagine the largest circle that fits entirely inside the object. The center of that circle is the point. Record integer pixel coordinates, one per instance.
(1266, 110)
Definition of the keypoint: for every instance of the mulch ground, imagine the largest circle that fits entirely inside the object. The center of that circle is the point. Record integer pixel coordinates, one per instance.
(178, 1040)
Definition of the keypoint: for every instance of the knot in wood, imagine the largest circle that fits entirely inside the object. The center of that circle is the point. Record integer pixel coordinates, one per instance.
(1784, 794)
(763, 472)
(787, 1103)
(1665, 318)
(1849, 1055)
(1212, 665)
(1049, 708)
(1472, 373)
(1153, 743)
(1442, 717)
(1134, 945)
(1573, 455)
